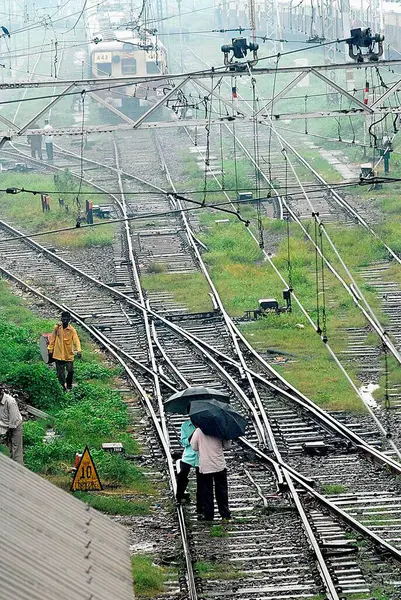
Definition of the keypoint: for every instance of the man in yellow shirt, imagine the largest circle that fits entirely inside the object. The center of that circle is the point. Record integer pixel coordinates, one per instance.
(61, 348)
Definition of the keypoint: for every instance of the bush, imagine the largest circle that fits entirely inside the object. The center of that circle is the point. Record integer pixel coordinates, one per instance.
(97, 417)
(33, 432)
(117, 471)
(51, 458)
(39, 382)
(86, 370)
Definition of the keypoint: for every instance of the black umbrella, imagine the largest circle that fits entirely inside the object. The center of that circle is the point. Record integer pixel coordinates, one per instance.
(217, 419)
(178, 402)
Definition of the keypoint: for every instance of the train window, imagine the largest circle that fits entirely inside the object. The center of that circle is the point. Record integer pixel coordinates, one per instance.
(152, 67)
(128, 66)
(103, 69)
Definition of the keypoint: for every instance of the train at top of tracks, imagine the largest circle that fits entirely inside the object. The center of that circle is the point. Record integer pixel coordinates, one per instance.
(117, 47)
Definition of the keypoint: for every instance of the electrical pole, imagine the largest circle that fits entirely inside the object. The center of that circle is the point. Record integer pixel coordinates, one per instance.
(271, 26)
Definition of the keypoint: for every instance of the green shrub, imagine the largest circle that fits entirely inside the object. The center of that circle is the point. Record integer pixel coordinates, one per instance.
(89, 370)
(50, 458)
(114, 469)
(33, 432)
(38, 381)
(98, 417)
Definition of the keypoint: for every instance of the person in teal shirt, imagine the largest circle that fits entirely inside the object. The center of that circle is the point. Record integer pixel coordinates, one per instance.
(190, 458)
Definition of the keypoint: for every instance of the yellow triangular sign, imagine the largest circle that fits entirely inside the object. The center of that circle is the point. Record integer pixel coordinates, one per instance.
(86, 478)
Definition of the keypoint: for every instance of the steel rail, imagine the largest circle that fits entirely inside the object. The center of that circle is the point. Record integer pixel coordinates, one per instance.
(323, 568)
(148, 406)
(359, 441)
(324, 571)
(340, 200)
(134, 271)
(295, 475)
(143, 309)
(156, 383)
(371, 319)
(331, 351)
(333, 424)
(295, 395)
(291, 472)
(331, 506)
(322, 565)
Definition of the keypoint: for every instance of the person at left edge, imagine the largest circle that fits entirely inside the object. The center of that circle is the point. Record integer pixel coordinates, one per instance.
(11, 425)
(63, 340)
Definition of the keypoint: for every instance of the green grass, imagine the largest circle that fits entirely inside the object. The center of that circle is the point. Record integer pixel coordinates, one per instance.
(113, 505)
(223, 571)
(320, 164)
(91, 414)
(149, 579)
(382, 593)
(333, 488)
(191, 289)
(25, 210)
(241, 278)
(217, 531)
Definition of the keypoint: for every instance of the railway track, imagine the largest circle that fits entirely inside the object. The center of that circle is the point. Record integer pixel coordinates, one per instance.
(291, 431)
(278, 167)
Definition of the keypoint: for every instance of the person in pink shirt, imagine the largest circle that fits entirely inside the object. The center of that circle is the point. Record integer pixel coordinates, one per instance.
(213, 470)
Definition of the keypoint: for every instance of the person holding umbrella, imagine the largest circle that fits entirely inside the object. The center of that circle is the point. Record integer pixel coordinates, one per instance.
(217, 424)
(213, 422)
(213, 469)
(190, 458)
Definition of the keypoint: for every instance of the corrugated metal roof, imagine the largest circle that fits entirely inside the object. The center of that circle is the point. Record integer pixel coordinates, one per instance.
(54, 547)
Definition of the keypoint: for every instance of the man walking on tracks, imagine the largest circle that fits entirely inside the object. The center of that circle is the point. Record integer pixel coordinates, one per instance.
(212, 466)
(61, 348)
(11, 425)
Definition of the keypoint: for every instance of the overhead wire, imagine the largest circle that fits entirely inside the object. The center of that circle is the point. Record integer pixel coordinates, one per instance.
(199, 205)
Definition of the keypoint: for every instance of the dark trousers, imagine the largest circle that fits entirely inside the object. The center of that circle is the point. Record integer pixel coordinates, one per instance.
(61, 367)
(38, 151)
(221, 491)
(49, 150)
(182, 482)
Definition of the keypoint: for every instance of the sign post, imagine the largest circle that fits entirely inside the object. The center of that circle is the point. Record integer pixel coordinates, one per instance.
(86, 478)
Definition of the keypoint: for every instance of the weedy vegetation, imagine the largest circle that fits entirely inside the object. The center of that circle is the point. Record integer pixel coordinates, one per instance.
(217, 570)
(92, 413)
(333, 488)
(149, 579)
(25, 210)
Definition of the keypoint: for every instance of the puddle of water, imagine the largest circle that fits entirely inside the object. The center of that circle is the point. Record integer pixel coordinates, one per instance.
(366, 392)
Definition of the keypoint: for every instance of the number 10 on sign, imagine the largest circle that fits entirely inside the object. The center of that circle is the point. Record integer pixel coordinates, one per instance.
(86, 478)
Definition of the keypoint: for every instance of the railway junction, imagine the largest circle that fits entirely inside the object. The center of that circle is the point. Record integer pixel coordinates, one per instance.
(215, 204)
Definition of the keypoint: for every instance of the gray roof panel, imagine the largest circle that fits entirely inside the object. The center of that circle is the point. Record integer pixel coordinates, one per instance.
(54, 547)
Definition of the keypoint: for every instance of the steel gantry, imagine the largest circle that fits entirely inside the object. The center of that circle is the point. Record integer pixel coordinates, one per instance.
(380, 107)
